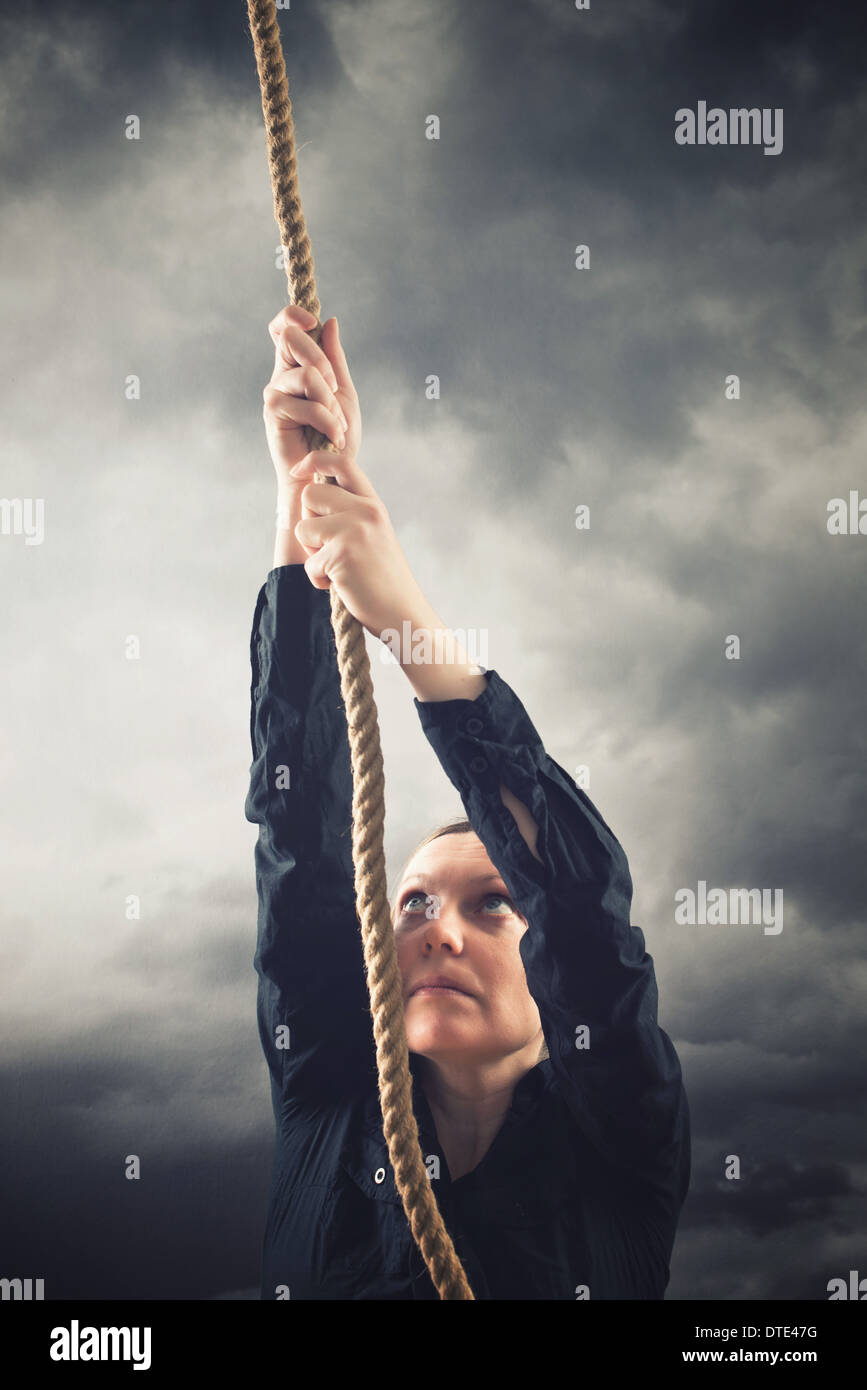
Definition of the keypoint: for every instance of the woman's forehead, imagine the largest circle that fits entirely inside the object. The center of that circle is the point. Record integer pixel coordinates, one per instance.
(452, 859)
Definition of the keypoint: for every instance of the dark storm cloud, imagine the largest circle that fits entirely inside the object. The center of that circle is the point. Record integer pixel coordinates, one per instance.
(80, 69)
(158, 1081)
(582, 149)
(794, 1227)
(779, 1194)
(188, 1227)
(744, 1086)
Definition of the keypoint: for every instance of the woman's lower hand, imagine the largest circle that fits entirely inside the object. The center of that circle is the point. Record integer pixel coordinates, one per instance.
(351, 544)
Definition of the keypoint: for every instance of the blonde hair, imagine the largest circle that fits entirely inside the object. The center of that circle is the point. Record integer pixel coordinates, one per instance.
(460, 826)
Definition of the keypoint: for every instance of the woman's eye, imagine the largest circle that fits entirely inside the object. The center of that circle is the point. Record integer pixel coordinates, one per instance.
(500, 897)
(502, 904)
(405, 905)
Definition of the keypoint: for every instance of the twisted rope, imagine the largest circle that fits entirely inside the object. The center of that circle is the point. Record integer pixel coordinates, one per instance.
(368, 782)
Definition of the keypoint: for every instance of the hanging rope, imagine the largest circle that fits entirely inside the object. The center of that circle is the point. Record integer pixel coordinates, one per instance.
(368, 783)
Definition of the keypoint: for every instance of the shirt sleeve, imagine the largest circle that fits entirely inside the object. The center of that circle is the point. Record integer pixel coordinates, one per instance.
(586, 966)
(313, 1005)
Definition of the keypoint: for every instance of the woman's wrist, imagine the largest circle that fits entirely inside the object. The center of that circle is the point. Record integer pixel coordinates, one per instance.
(288, 550)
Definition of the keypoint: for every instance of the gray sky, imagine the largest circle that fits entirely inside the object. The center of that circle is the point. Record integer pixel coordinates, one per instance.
(603, 386)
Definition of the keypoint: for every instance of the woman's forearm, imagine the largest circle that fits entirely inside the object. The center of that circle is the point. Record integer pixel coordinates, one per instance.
(434, 661)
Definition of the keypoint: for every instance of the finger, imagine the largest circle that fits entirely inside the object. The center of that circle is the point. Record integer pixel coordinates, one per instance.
(298, 411)
(330, 340)
(291, 314)
(315, 567)
(294, 347)
(292, 341)
(307, 382)
(343, 467)
(314, 532)
(329, 499)
(298, 345)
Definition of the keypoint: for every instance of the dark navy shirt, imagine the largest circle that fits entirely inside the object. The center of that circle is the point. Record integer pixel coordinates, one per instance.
(579, 1194)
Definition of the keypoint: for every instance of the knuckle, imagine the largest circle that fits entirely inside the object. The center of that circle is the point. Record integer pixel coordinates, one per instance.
(307, 376)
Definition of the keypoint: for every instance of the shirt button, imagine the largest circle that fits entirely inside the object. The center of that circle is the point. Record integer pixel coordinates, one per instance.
(474, 725)
(478, 764)
(379, 1175)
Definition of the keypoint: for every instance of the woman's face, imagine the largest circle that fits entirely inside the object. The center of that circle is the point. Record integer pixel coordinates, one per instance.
(453, 917)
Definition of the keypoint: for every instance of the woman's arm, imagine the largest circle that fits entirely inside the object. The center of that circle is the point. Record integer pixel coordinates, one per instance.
(585, 963)
(313, 1007)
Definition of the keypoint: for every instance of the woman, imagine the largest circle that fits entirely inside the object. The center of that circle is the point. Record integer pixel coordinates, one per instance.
(550, 1104)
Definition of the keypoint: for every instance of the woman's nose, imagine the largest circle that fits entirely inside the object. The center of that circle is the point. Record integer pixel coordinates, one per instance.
(445, 926)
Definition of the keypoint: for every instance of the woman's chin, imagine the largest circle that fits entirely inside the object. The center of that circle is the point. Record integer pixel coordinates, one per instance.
(431, 1040)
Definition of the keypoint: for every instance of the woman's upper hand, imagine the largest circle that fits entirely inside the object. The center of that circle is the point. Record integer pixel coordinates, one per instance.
(310, 385)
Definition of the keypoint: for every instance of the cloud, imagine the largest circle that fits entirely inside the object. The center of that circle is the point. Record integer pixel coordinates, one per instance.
(779, 1195)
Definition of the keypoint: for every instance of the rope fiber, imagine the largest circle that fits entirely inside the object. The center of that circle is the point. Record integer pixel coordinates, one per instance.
(368, 782)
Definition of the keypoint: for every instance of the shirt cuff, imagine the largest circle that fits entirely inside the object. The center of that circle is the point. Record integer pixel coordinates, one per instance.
(479, 736)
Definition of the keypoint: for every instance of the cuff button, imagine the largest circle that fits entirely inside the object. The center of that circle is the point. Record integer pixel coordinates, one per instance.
(474, 726)
(478, 765)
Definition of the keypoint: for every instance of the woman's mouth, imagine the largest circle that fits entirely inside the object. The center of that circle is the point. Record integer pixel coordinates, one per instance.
(439, 984)
(439, 989)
